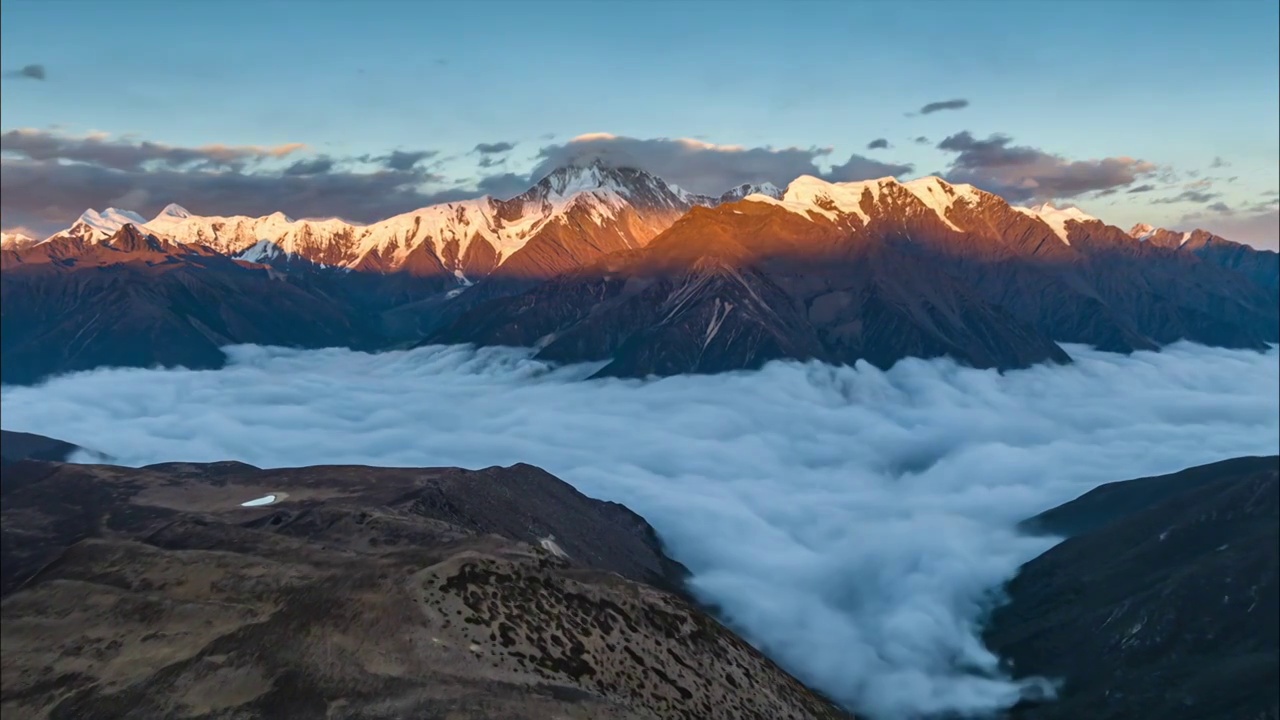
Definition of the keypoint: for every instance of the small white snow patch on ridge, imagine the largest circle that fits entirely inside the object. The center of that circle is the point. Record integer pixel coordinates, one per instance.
(1056, 218)
(259, 502)
(939, 196)
(261, 251)
(550, 545)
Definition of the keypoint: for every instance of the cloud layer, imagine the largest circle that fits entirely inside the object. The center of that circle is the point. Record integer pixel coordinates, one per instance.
(50, 178)
(709, 168)
(1021, 173)
(851, 522)
(118, 154)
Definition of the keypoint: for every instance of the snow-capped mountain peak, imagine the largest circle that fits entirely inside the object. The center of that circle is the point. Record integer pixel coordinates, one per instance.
(1145, 233)
(172, 212)
(808, 194)
(110, 220)
(1057, 218)
(260, 252)
(744, 190)
(609, 188)
(15, 241)
(1142, 231)
(572, 179)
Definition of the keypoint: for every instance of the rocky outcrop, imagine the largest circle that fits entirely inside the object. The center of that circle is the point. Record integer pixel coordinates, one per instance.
(357, 592)
(1163, 602)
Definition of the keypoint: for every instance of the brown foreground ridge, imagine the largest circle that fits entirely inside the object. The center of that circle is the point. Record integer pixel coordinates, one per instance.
(360, 592)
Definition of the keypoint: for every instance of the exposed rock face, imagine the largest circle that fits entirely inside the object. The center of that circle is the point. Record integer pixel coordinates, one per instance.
(361, 592)
(1163, 603)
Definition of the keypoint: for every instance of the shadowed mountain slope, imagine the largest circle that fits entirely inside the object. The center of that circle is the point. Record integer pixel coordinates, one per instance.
(1163, 603)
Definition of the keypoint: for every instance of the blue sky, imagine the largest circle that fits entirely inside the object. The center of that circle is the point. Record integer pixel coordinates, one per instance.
(1176, 84)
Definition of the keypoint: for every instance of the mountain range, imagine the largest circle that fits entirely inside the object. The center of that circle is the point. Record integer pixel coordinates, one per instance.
(613, 265)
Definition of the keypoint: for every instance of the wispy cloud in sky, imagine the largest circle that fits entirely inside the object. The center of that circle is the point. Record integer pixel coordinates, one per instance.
(933, 107)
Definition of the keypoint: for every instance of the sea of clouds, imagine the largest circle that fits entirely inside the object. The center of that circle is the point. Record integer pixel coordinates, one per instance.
(850, 522)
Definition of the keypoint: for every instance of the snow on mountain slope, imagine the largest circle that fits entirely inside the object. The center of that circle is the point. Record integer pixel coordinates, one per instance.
(748, 189)
(808, 194)
(579, 212)
(95, 226)
(110, 220)
(1057, 218)
(586, 197)
(15, 241)
(592, 193)
(262, 251)
(1143, 232)
(734, 194)
(237, 234)
(172, 214)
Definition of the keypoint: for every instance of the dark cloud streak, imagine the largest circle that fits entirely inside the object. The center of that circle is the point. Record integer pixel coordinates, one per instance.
(1187, 196)
(123, 155)
(313, 166)
(28, 72)
(494, 148)
(933, 107)
(404, 160)
(1021, 173)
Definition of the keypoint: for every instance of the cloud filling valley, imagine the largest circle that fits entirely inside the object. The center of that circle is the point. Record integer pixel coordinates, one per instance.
(850, 522)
